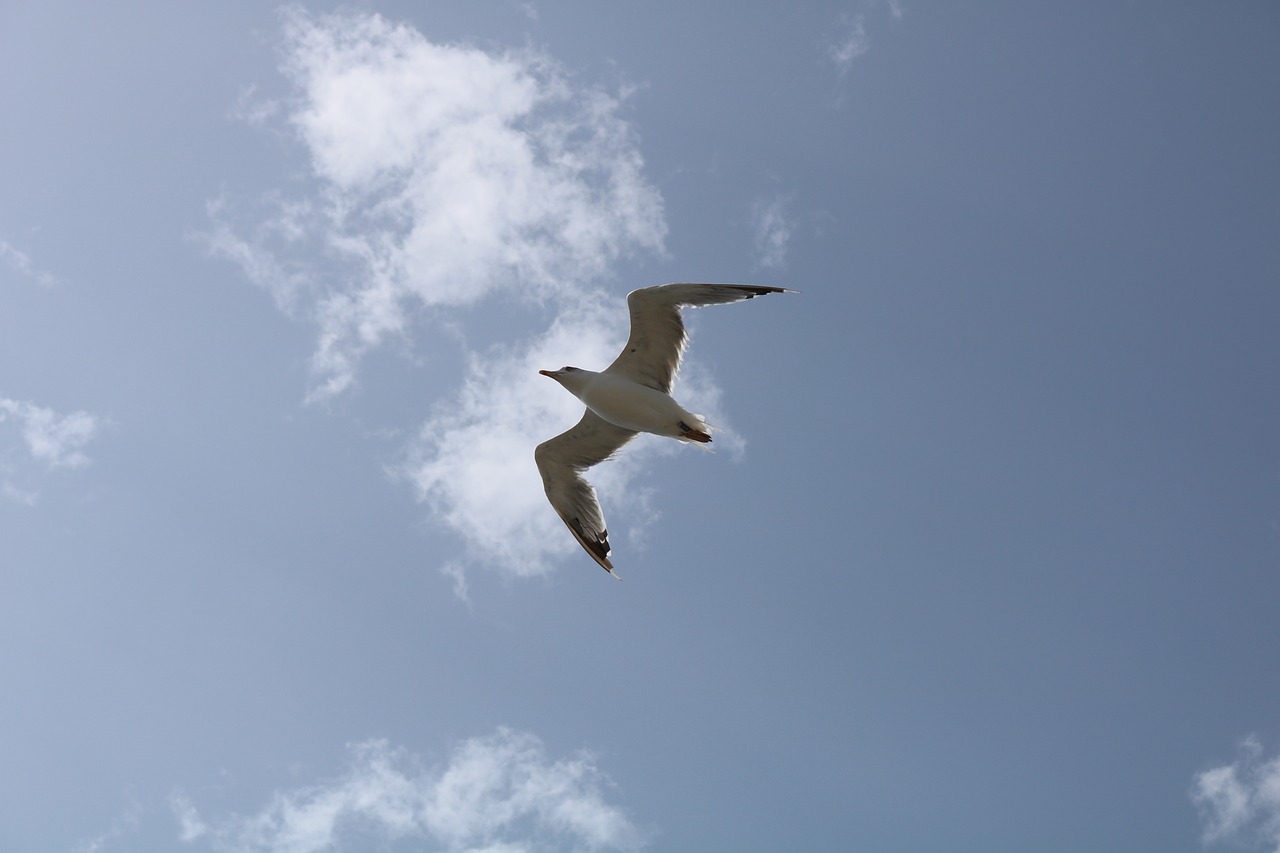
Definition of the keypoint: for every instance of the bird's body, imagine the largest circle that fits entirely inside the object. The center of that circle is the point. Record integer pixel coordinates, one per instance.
(632, 406)
(632, 395)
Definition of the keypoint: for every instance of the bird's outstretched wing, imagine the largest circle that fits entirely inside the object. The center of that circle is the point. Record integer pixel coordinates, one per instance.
(653, 352)
(561, 461)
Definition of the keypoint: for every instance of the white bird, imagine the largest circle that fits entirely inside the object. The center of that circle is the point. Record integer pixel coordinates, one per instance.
(631, 396)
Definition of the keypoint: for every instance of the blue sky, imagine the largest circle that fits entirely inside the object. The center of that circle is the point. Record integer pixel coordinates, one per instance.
(987, 559)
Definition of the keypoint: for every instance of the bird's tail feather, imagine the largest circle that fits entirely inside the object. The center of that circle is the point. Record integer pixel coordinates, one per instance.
(696, 431)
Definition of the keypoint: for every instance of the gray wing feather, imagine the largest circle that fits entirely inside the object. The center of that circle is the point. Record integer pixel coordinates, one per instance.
(658, 337)
(561, 461)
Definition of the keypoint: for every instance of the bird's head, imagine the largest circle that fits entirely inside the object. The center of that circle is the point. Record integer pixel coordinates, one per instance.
(569, 377)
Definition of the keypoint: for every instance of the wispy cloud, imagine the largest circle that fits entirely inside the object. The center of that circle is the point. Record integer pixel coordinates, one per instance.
(252, 108)
(773, 227)
(16, 494)
(283, 274)
(1239, 803)
(851, 43)
(21, 263)
(57, 441)
(500, 792)
(190, 825)
(441, 174)
(121, 828)
(851, 39)
(34, 437)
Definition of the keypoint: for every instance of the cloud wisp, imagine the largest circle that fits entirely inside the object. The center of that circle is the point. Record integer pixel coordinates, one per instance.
(44, 440)
(1239, 803)
(21, 263)
(773, 228)
(122, 828)
(853, 40)
(852, 43)
(56, 441)
(496, 793)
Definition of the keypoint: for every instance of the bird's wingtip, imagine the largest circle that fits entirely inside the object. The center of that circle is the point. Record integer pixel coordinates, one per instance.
(765, 290)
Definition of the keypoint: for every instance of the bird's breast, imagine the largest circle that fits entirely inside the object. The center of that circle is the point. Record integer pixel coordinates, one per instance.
(631, 405)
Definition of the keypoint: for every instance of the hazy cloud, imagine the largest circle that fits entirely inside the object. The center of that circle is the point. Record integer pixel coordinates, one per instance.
(21, 263)
(500, 792)
(15, 494)
(773, 228)
(1239, 803)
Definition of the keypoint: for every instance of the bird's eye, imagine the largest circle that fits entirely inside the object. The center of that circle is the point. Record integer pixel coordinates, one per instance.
(570, 369)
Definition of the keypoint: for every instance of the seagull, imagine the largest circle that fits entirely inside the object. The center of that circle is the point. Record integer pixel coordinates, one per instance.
(630, 396)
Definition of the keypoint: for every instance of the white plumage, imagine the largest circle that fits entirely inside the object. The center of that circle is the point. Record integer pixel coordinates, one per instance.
(630, 396)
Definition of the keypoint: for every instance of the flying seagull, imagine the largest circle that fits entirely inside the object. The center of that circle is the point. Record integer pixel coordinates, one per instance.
(630, 396)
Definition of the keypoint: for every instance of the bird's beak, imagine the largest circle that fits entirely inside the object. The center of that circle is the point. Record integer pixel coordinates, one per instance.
(550, 373)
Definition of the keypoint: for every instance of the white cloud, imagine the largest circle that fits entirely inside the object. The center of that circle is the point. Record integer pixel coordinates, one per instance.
(1239, 803)
(441, 174)
(20, 262)
(52, 439)
(496, 793)
(773, 228)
